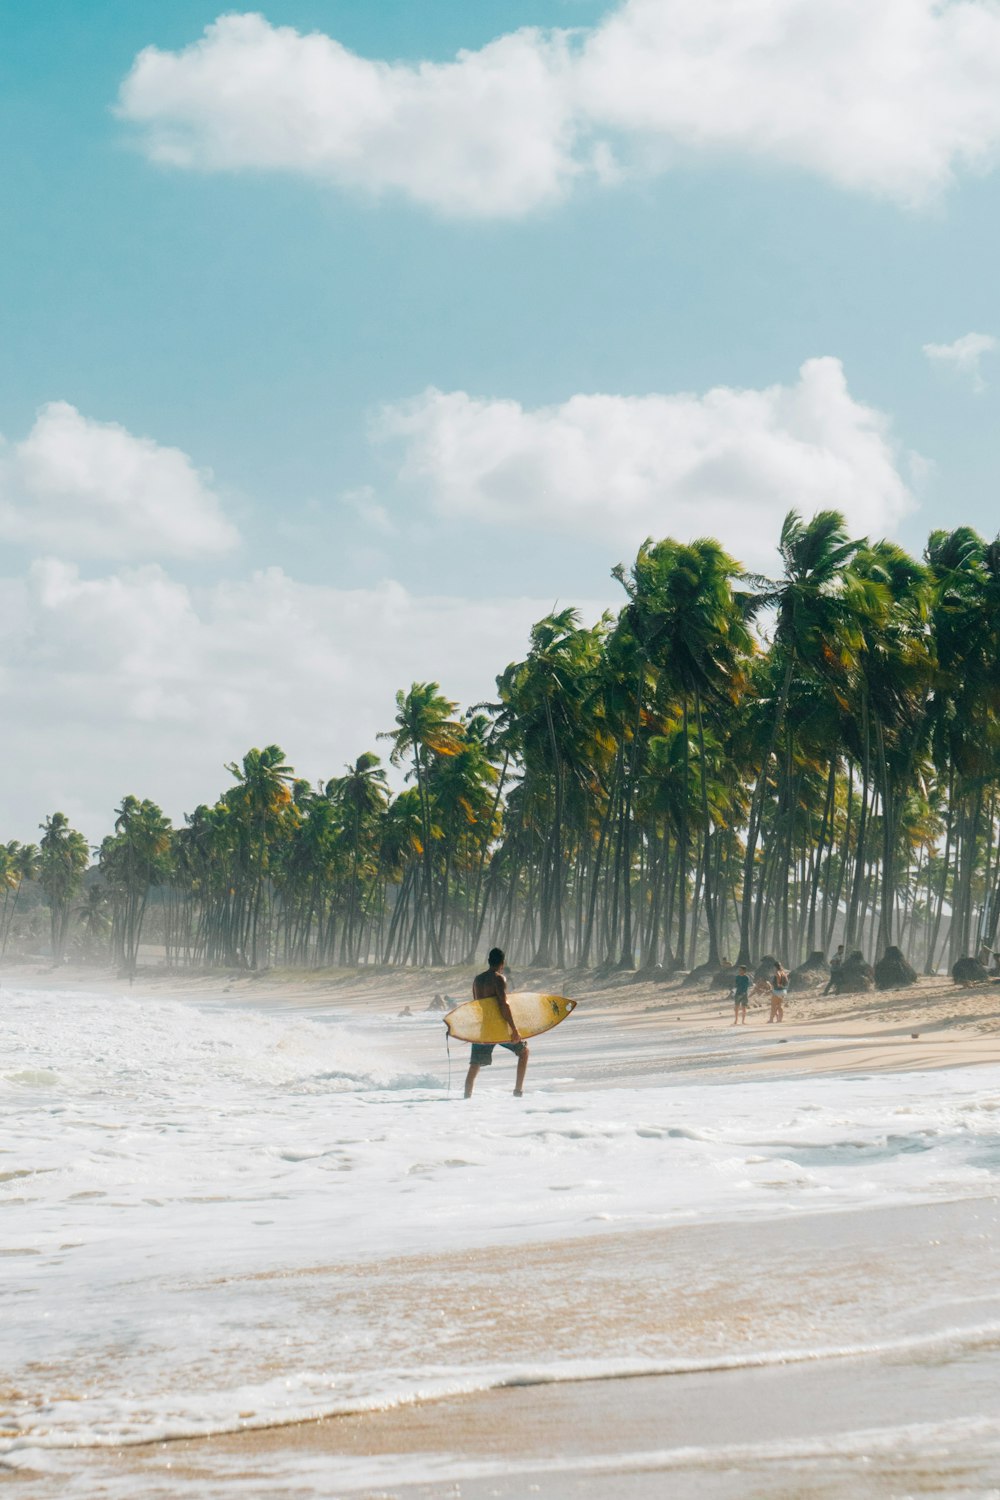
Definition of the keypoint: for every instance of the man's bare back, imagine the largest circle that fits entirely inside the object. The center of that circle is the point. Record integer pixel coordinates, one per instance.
(491, 984)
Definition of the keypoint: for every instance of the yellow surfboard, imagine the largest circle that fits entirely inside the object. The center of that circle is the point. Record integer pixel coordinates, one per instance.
(481, 1021)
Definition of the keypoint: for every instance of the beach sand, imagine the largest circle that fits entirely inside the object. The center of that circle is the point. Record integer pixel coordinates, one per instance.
(882, 1325)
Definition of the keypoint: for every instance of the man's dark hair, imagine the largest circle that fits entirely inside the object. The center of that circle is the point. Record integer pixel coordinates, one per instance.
(495, 958)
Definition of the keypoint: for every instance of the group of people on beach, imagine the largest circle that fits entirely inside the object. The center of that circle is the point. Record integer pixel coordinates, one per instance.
(775, 986)
(745, 988)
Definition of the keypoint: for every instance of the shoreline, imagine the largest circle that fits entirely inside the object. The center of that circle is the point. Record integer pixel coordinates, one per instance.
(863, 1411)
(932, 1024)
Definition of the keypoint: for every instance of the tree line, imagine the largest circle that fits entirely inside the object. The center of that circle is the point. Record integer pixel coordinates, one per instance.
(726, 766)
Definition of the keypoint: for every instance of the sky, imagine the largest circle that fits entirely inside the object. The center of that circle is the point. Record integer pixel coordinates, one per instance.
(339, 341)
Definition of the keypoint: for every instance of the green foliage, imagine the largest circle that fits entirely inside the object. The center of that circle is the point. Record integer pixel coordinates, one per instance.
(63, 857)
(729, 762)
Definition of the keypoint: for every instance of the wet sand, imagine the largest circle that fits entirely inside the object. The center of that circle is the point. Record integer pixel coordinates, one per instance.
(830, 1431)
(884, 1336)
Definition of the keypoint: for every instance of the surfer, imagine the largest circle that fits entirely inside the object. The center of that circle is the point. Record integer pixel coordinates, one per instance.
(493, 982)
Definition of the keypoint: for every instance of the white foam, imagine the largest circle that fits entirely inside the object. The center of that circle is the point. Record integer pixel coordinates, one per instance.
(159, 1157)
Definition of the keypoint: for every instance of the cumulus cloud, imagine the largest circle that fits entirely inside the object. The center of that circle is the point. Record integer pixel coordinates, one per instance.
(489, 133)
(891, 99)
(888, 98)
(93, 489)
(134, 682)
(729, 463)
(963, 356)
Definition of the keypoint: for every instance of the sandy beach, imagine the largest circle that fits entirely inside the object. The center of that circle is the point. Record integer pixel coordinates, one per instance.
(739, 1261)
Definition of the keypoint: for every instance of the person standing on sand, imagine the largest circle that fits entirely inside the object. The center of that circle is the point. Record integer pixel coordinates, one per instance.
(741, 996)
(779, 989)
(835, 963)
(493, 983)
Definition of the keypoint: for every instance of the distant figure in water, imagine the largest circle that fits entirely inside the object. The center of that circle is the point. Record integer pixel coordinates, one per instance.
(779, 989)
(493, 983)
(741, 996)
(406, 1011)
(437, 1004)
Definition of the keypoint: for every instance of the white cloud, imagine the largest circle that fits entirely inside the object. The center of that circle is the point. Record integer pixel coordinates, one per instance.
(891, 98)
(963, 355)
(729, 463)
(489, 133)
(887, 98)
(133, 682)
(93, 489)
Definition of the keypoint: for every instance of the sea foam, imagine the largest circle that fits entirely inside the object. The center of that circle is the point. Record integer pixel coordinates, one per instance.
(190, 1193)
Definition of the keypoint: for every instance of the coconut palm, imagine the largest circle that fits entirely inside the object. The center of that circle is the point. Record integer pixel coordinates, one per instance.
(93, 916)
(692, 630)
(965, 704)
(132, 859)
(363, 795)
(260, 803)
(546, 693)
(425, 728)
(814, 632)
(63, 857)
(18, 864)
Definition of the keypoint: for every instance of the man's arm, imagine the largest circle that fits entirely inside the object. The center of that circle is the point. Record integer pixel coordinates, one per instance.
(505, 1011)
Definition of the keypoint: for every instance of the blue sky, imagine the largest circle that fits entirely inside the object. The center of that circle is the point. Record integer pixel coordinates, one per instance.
(280, 328)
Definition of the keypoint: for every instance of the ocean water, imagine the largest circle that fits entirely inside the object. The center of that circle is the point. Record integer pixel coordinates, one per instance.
(215, 1218)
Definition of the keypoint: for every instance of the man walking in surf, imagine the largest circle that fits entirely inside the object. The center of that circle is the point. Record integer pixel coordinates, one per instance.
(492, 983)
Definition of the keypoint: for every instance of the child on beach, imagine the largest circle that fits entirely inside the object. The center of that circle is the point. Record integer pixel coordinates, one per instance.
(741, 995)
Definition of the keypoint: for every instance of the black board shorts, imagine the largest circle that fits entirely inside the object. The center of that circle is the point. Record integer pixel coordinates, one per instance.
(482, 1052)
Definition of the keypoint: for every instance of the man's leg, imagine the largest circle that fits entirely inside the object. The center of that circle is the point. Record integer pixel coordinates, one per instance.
(522, 1068)
(470, 1079)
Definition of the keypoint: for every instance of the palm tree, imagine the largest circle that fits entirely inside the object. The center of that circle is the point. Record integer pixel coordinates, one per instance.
(547, 694)
(692, 630)
(814, 633)
(132, 859)
(462, 795)
(400, 862)
(363, 794)
(260, 803)
(18, 863)
(63, 857)
(425, 728)
(92, 915)
(894, 674)
(965, 704)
